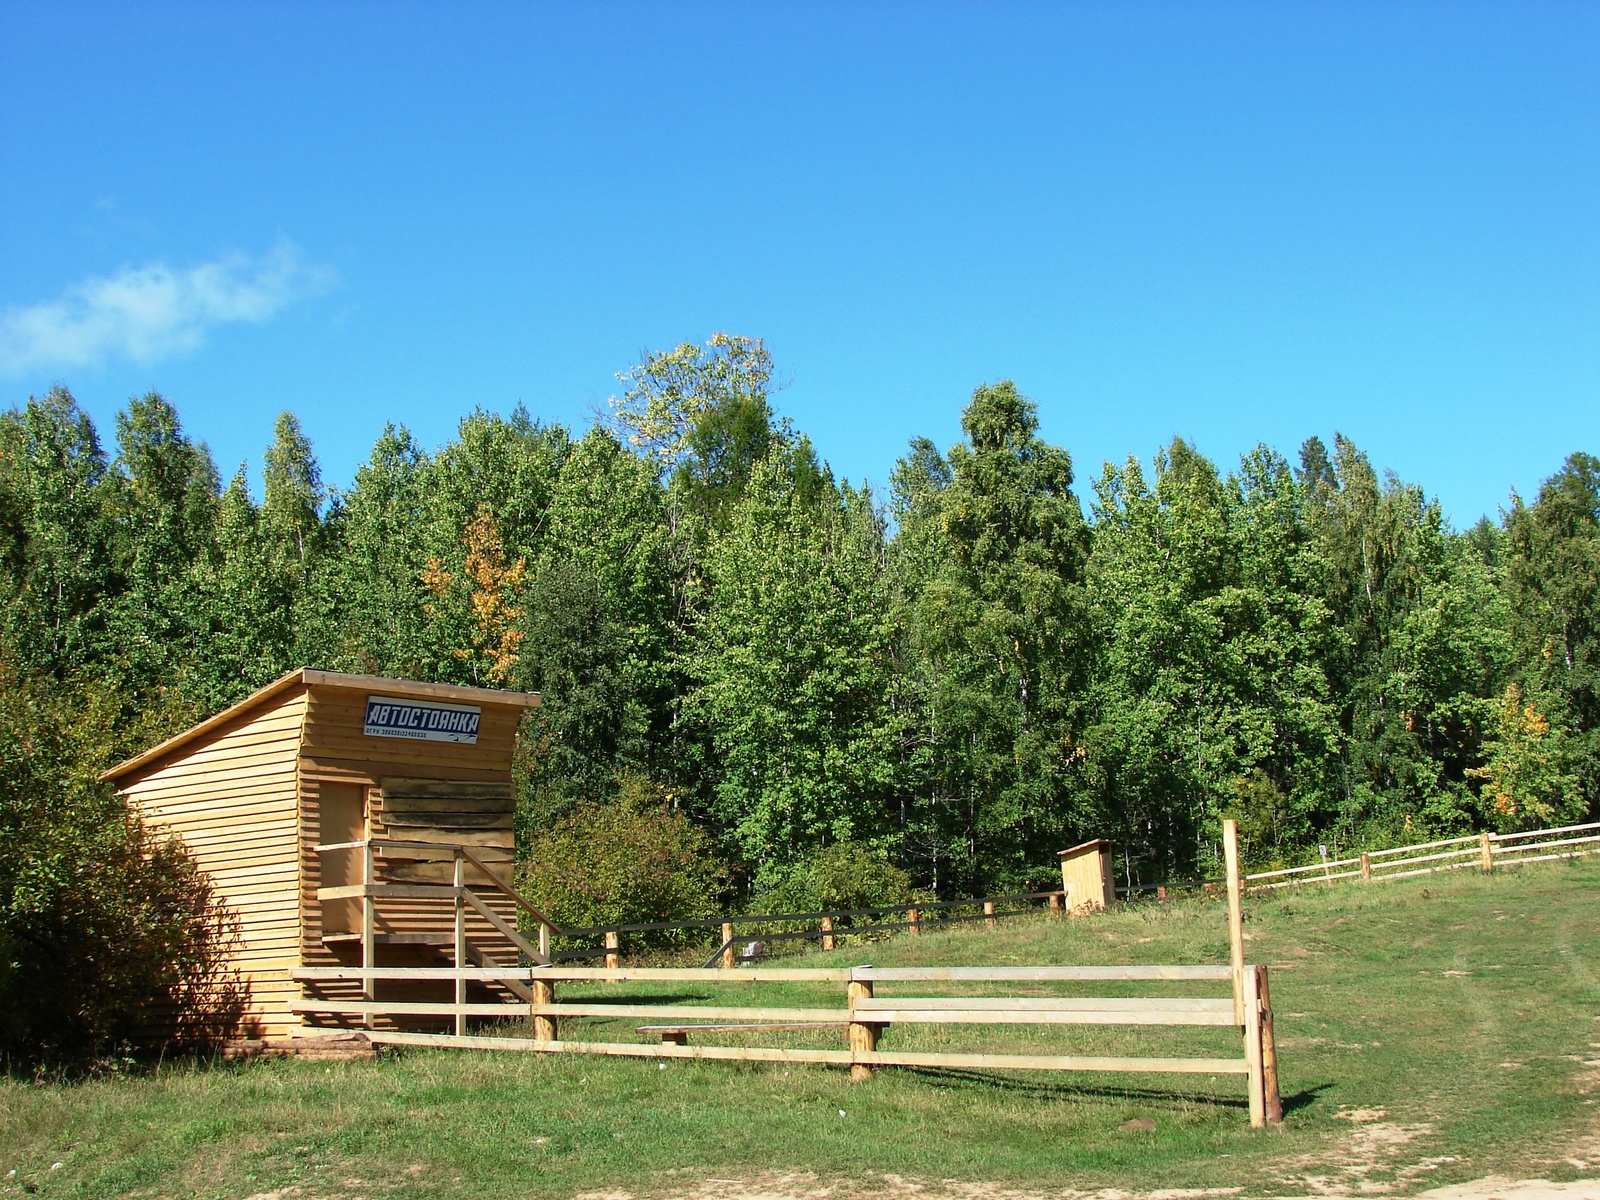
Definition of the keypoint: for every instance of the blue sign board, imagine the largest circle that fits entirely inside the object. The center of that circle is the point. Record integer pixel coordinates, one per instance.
(421, 720)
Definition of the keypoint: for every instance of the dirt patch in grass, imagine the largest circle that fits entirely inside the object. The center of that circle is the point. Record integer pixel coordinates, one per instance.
(806, 1186)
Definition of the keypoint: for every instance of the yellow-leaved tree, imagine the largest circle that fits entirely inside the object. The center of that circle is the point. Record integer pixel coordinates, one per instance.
(480, 604)
(1524, 785)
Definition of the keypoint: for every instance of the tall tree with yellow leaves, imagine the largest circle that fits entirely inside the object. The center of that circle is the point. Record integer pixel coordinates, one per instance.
(479, 604)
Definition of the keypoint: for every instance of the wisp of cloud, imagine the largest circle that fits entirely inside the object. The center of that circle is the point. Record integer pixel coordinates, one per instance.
(153, 312)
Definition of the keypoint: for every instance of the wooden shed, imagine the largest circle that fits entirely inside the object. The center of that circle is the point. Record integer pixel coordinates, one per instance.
(333, 813)
(1086, 877)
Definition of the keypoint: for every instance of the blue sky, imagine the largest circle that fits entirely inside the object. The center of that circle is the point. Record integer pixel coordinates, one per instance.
(1233, 223)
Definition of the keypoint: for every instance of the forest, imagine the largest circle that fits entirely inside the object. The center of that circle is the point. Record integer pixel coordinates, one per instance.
(770, 667)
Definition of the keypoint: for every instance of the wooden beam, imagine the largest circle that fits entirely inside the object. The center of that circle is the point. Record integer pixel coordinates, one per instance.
(1035, 1016)
(1041, 974)
(1025, 1062)
(459, 870)
(506, 929)
(862, 1036)
(698, 974)
(1230, 853)
(1269, 1052)
(1135, 1004)
(1252, 1051)
(744, 1027)
(692, 1012)
(428, 1008)
(416, 793)
(512, 982)
(489, 973)
(544, 1027)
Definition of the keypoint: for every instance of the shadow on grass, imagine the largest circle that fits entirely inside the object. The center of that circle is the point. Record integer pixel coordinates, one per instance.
(634, 998)
(1039, 1090)
(1304, 1098)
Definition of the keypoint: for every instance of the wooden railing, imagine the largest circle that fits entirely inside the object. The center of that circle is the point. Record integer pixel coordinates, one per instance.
(459, 893)
(827, 928)
(863, 1017)
(1481, 850)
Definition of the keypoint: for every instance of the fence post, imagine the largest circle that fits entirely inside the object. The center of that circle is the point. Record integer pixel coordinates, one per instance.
(861, 1036)
(1269, 1052)
(1252, 1052)
(369, 920)
(544, 940)
(613, 948)
(912, 917)
(1161, 895)
(988, 914)
(727, 946)
(1366, 867)
(460, 880)
(1485, 852)
(1230, 853)
(544, 992)
(1056, 908)
(827, 933)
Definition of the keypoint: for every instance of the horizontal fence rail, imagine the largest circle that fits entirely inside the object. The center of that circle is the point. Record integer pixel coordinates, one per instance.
(1481, 850)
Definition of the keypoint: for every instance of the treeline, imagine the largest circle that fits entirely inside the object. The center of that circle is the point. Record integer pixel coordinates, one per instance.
(962, 676)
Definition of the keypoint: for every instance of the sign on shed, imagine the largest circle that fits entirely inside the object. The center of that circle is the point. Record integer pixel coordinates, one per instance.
(422, 720)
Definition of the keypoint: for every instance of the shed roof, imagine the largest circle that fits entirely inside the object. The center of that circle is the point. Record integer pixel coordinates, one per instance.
(406, 688)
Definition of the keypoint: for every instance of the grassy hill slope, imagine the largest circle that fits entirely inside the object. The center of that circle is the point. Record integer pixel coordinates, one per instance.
(1430, 1031)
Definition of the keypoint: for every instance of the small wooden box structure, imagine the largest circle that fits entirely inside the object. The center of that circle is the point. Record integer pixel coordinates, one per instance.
(1086, 877)
(320, 759)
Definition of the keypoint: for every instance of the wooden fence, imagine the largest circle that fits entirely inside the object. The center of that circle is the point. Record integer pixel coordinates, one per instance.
(862, 1018)
(1481, 850)
(530, 991)
(827, 928)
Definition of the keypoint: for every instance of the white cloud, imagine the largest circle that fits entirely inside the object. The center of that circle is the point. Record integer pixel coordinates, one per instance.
(153, 312)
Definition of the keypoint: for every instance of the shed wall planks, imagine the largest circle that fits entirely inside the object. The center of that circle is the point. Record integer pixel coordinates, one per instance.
(235, 788)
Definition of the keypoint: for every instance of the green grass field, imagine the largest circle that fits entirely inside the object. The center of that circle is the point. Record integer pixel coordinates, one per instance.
(1430, 1031)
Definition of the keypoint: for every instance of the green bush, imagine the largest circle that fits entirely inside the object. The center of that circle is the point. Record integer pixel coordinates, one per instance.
(626, 861)
(845, 875)
(106, 932)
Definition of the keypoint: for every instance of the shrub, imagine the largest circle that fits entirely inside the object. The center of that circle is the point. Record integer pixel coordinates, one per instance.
(105, 931)
(626, 861)
(845, 875)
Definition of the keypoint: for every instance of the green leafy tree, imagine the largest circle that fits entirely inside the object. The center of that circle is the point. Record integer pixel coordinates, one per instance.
(377, 577)
(996, 640)
(1552, 580)
(56, 485)
(630, 860)
(600, 628)
(164, 501)
(789, 673)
